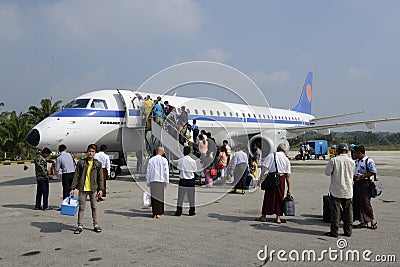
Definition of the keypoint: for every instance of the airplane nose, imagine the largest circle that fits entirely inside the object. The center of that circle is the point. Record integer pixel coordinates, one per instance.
(33, 137)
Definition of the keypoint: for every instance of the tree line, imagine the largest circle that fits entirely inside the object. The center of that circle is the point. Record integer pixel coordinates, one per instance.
(370, 140)
(14, 127)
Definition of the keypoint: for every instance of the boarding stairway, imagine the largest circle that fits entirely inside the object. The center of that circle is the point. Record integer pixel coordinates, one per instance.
(173, 149)
(151, 137)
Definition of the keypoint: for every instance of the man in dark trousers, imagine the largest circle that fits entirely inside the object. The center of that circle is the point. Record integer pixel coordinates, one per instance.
(42, 179)
(341, 170)
(66, 162)
(88, 179)
(187, 166)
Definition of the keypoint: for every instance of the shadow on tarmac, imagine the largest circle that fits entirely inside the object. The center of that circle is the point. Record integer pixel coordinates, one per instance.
(270, 225)
(19, 206)
(145, 213)
(229, 218)
(25, 181)
(52, 227)
(285, 228)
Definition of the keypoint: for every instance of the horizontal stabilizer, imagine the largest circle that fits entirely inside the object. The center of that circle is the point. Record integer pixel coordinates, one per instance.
(335, 116)
(368, 123)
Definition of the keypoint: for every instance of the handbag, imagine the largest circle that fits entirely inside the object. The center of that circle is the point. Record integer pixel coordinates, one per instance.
(146, 200)
(288, 206)
(375, 185)
(272, 179)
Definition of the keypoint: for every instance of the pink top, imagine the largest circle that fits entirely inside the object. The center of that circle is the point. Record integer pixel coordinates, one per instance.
(223, 158)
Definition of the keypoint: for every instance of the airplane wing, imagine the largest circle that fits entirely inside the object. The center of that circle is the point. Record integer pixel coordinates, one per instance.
(369, 123)
(334, 116)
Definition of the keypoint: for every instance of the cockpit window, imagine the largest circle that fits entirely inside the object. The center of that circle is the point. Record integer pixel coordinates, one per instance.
(99, 104)
(77, 103)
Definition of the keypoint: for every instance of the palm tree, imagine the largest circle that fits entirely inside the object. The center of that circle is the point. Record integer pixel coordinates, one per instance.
(37, 114)
(13, 131)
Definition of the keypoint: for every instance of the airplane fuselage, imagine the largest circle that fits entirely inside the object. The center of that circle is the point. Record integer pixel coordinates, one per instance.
(101, 116)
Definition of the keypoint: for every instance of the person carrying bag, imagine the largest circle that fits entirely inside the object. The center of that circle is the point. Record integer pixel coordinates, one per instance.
(274, 184)
(271, 180)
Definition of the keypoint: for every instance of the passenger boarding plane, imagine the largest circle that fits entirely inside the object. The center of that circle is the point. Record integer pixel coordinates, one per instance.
(110, 117)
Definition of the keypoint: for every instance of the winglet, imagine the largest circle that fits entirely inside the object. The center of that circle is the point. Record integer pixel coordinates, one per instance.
(304, 105)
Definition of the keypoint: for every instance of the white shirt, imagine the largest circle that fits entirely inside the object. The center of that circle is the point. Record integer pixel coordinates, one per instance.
(362, 169)
(240, 157)
(341, 170)
(282, 162)
(104, 159)
(187, 166)
(157, 170)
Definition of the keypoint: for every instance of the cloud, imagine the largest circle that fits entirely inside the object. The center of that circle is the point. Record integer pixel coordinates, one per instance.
(269, 79)
(123, 21)
(100, 22)
(11, 29)
(354, 73)
(214, 54)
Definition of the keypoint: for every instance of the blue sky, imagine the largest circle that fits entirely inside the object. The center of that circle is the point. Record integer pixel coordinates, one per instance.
(63, 48)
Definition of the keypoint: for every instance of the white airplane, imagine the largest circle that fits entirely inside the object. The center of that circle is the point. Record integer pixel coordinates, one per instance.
(110, 117)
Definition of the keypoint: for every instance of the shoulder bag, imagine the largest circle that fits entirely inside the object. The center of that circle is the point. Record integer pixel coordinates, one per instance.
(272, 179)
(375, 185)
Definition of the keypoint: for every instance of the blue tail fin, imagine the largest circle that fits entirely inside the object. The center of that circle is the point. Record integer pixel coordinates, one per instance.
(304, 105)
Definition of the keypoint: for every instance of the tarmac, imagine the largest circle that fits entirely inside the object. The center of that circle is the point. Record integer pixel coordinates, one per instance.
(223, 233)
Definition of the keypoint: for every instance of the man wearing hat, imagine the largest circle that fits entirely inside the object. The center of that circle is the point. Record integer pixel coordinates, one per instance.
(341, 170)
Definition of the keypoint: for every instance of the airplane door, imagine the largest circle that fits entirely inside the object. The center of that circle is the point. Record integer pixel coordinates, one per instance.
(132, 116)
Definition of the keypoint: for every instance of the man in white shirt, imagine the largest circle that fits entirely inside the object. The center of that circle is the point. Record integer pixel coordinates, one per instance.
(187, 166)
(341, 170)
(105, 163)
(157, 177)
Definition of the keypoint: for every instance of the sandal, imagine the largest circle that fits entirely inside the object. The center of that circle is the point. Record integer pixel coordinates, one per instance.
(374, 226)
(361, 225)
(261, 220)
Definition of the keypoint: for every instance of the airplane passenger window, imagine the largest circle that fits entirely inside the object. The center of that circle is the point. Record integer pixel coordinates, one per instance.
(188, 111)
(211, 112)
(204, 112)
(77, 103)
(249, 115)
(254, 115)
(218, 113)
(230, 113)
(264, 116)
(237, 114)
(196, 111)
(224, 113)
(243, 115)
(98, 104)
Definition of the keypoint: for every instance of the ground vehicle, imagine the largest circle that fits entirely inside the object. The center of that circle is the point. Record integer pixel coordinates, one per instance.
(318, 148)
(114, 171)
